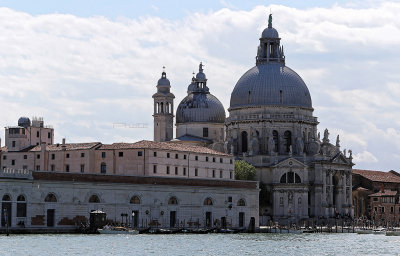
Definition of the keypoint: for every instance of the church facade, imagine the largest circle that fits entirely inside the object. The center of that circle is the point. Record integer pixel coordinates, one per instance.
(271, 126)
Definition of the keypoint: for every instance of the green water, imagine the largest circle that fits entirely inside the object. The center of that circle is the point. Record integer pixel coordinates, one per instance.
(208, 244)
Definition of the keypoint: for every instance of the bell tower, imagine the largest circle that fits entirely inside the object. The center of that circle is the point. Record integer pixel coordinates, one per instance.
(163, 110)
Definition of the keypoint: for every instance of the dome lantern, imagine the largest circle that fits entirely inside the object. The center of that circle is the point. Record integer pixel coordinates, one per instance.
(269, 49)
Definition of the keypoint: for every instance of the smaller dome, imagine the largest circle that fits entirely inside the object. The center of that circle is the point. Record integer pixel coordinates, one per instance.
(270, 32)
(24, 122)
(201, 77)
(163, 81)
(191, 87)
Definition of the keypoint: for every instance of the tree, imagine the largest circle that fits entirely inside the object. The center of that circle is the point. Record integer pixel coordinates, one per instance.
(244, 170)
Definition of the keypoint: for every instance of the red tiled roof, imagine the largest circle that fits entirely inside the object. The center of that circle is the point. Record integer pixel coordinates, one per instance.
(386, 193)
(69, 146)
(378, 175)
(362, 189)
(162, 145)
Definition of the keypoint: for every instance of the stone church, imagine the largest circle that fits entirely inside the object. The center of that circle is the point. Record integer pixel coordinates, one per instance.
(271, 126)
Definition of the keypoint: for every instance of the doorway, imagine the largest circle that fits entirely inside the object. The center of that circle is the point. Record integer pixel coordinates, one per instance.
(241, 219)
(50, 217)
(135, 219)
(172, 219)
(208, 219)
(6, 214)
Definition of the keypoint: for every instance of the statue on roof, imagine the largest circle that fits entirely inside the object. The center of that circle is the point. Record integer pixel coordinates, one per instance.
(337, 142)
(201, 67)
(270, 20)
(326, 136)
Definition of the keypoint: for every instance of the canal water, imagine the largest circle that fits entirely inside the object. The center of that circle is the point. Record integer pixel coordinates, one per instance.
(208, 244)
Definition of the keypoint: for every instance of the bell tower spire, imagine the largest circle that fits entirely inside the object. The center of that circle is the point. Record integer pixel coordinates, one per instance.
(163, 110)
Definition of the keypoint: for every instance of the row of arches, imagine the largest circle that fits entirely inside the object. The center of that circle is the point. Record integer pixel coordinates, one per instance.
(51, 198)
(287, 141)
(161, 108)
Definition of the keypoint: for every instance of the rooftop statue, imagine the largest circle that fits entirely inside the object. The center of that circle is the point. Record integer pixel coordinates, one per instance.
(270, 21)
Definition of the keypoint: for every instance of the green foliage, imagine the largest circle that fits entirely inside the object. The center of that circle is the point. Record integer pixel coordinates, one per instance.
(244, 170)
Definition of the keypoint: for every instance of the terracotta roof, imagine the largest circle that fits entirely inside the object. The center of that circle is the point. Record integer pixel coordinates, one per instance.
(69, 146)
(386, 193)
(163, 146)
(378, 175)
(362, 189)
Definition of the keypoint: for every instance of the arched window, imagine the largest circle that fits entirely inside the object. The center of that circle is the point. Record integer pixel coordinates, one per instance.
(297, 178)
(208, 201)
(287, 137)
(162, 107)
(94, 199)
(50, 198)
(103, 168)
(173, 200)
(290, 177)
(6, 198)
(21, 206)
(241, 202)
(244, 141)
(283, 178)
(275, 136)
(135, 200)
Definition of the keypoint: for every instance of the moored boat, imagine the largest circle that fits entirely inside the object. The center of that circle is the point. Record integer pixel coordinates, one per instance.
(393, 232)
(118, 231)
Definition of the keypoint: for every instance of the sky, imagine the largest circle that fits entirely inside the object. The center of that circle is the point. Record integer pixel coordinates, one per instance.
(89, 68)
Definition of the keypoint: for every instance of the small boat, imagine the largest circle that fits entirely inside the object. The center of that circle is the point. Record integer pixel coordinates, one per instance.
(118, 231)
(285, 231)
(393, 232)
(379, 231)
(364, 231)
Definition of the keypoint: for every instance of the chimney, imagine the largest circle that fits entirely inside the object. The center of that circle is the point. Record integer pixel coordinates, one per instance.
(63, 146)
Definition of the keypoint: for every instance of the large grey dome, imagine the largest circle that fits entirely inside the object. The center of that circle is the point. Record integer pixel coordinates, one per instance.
(271, 84)
(200, 107)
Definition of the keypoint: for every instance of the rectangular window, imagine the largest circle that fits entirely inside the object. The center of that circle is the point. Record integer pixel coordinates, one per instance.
(103, 154)
(221, 160)
(53, 156)
(37, 167)
(196, 158)
(213, 159)
(67, 168)
(205, 132)
(383, 209)
(230, 175)
(52, 167)
(167, 169)
(184, 171)
(392, 209)
(48, 135)
(154, 168)
(184, 156)
(230, 161)
(213, 173)
(176, 170)
(13, 162)
(375, 209)
(37, 134)
(25, 156)
(140, 153)
(38, 156)
(4, 157)
(67, 156)
(167, 155)
(13, 144)
(195, 172)
(375, 199)
(154, 153)
(206, 158)
(176, 156)
(103, 168)
(82, 154)
(220, 174)
(120, 154)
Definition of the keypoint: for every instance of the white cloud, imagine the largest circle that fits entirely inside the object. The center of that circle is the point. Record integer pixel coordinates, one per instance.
(85, 74)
